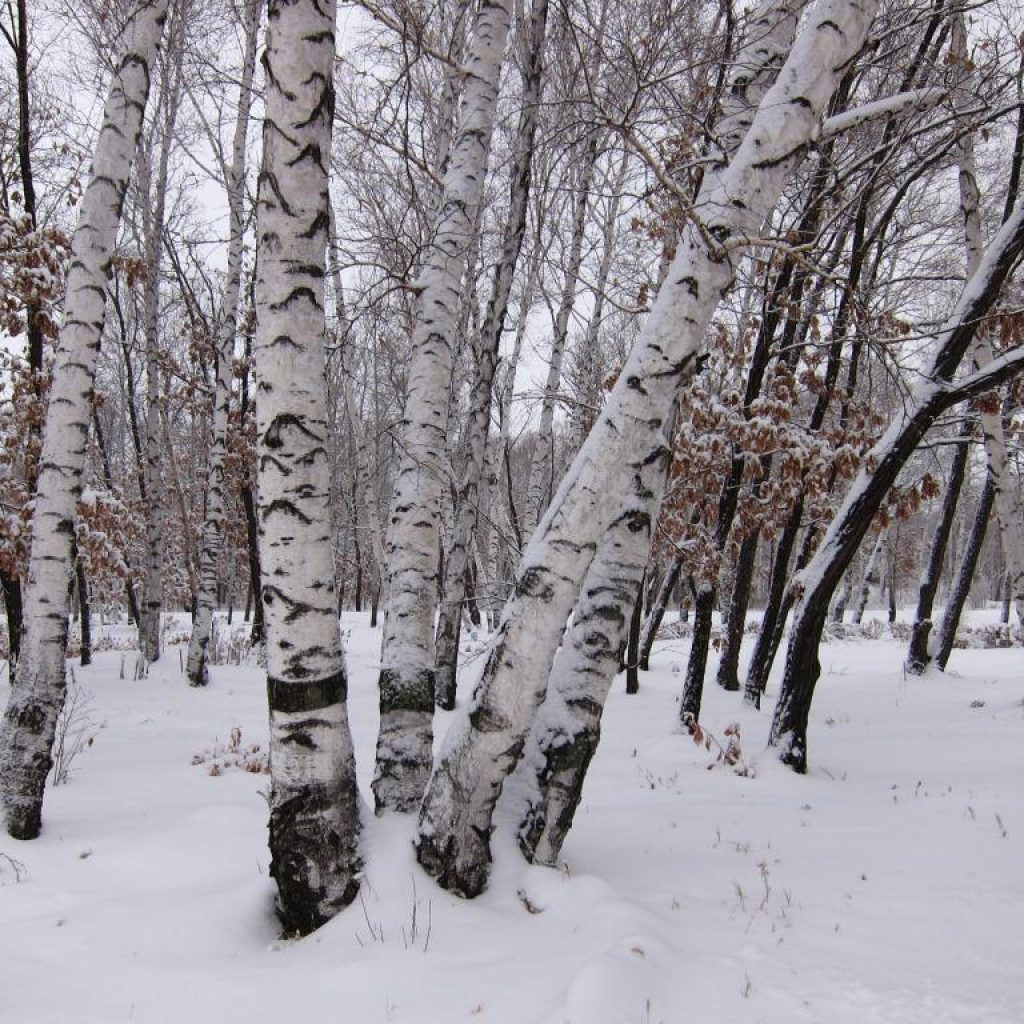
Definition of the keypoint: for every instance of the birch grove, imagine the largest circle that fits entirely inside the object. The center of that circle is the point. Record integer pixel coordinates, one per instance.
(551, 331)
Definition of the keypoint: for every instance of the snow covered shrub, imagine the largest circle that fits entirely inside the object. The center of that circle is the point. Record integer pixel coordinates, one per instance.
(222, 757)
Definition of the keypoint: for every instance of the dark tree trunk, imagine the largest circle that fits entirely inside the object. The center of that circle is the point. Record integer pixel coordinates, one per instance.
(775, 612)
(12, 604)
(86, 612)
(633, 643)
(958, 598)
(693, 691)
(657, 613)
(728, 667)
(918, 655)
(252, 537)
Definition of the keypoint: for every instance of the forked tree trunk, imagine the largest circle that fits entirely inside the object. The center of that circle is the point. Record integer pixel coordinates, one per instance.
(919, 653)
(404, 744)
(487, 346)
(565, 733)
(314, 806)
(625, 455)
(206, 594)
(37, 695)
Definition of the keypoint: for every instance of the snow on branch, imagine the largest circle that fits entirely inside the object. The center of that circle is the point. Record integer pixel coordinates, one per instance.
(900, 103)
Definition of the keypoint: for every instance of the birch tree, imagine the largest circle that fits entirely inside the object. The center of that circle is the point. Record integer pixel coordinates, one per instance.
(206, 596)
(37, 695)
(314, 810)
(625, 454)
(486, 359)
(404, 745)
(566, 731)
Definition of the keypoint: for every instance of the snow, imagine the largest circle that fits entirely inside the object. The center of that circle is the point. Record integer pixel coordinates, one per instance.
(884, 886)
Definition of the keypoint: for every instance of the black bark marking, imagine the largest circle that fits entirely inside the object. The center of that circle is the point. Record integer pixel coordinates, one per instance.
(294, 697)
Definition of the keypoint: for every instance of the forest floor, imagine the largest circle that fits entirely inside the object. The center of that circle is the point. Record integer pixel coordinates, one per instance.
(885, 886)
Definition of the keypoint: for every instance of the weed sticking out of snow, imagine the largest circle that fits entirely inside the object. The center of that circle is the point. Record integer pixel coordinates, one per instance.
(234, 755)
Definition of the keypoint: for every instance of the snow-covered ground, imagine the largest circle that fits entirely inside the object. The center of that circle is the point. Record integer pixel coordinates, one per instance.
(886, 886)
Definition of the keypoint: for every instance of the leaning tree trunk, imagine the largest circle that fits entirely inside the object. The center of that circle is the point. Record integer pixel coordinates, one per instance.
(625, 455)
(487, 346)
(567, 728)
(314, 805)
(37, 695)
(565, 733)
(404, 744)
(962, 587)
(656, 612)
(206, 594)
(931, 398)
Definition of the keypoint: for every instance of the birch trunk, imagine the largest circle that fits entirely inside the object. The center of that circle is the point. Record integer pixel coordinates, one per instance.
(566, 731)
(404, 744)
(1009, 520)
(542, 464)
(206, 595)
(870, 579)
(487, 347)
(37, 695)
(153, 189)
(625, 455)
(314, 809)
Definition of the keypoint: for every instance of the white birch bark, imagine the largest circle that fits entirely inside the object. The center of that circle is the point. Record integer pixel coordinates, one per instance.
(1008, 513)
(870, 578)
(206, 595)
(542, 463)
(626, 453)
(314, 811)
(404, 745)
(153, 194)
(583, 416)
(566, 731)
(37, 695)
(366, 493)
(486, 353)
